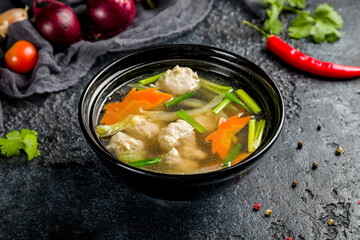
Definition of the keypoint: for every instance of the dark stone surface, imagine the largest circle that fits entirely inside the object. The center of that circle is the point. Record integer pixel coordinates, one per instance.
(67, 194)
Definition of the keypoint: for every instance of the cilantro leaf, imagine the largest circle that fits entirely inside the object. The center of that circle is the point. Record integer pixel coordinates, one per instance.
(10, 147)
(297, 3)
(30, 142)
(273, 24)
(15, 141)
(324, 32)
(301, 25)
(326, 14)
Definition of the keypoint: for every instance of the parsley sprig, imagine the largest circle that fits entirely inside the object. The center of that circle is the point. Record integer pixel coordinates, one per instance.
(15, 141)
(323, 26)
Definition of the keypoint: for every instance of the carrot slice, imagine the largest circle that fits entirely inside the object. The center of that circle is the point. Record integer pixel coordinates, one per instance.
(240, 157)
(225, 134)
(131, 104)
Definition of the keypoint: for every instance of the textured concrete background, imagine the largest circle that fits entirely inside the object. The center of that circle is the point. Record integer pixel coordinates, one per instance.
(67, 194)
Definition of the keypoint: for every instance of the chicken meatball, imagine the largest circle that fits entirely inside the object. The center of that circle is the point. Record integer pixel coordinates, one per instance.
(170, 135)
(178, 164)
(178, 81)
(121, 142)
(144, 130)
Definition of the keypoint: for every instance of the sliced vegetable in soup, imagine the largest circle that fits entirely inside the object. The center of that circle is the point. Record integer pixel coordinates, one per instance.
(178, 123)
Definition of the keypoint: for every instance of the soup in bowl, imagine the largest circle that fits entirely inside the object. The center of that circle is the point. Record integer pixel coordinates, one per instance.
(181, 121)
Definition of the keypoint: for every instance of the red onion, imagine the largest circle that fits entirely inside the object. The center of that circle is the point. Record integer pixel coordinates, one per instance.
(57, 22)
(109, 17)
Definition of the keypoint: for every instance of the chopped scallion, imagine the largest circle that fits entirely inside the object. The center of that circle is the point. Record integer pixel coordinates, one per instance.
(256, 132)
(251, 135)
(216, 88)
(178, 99)
(233, 98)
(232, 155)
(248, 100)
(191, 121)
(145, 162)
(151, 79)
(221, 106)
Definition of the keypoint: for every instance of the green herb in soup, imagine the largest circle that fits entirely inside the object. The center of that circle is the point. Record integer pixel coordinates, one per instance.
(182, 124)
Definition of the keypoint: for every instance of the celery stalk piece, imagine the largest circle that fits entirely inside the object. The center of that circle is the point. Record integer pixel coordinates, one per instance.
(251, 135)
(191, 121)
(221, 106)
(232, 155)
(145, 162)
(233, 98)
(151, 79)
(178, 99)
(109, 130)
(248, 101)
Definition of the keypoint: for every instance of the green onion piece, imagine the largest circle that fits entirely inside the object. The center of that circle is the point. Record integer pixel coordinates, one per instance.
(259, 133)
(221, 106)
(233, 98)
(248, 100)
(138, 86)
(145, 162)
(178, 99)
(131, 156)
(251, 135)
(232, 155)
(191, 121)
(216, 88)
(151, 79)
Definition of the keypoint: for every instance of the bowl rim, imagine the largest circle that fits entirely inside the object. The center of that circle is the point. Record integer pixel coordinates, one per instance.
(185, 177)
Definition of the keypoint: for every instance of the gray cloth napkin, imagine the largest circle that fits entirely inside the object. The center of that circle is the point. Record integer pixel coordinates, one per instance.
(58, 71)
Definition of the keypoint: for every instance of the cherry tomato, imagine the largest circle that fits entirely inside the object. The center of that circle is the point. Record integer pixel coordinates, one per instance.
(21, 57)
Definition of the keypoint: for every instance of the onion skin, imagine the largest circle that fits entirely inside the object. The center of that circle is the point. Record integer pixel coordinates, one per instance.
(57, 22)
(110, 17)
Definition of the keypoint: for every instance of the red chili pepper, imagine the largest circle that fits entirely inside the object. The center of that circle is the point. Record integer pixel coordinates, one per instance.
(304, 62)
(289, 238)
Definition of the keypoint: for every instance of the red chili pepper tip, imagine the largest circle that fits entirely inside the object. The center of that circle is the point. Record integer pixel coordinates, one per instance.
(289, 238)
(257, 206)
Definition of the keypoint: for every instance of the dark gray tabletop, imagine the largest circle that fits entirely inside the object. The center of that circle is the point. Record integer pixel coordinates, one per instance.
(67, 194)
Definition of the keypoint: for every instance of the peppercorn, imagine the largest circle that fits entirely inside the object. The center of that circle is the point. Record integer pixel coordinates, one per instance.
(268, 212)
(359, 202)
(319, 127)
(257, 206)
(331, 222)
(339, 151)
(315, 165)
(294, 184)
(300, 145)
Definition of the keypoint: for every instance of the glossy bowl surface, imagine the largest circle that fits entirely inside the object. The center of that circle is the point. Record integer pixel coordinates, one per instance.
(150, 61)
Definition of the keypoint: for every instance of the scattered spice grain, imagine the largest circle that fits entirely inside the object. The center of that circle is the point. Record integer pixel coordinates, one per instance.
(315, 165)
(359, 202)
(257, 206)
(268, 212)
(331, 222)
(300, 145)
(339, 151)
(319, 127)
(294, 184)
(289, 238)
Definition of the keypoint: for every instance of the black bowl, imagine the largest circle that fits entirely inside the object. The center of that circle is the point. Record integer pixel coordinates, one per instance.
(150, 61)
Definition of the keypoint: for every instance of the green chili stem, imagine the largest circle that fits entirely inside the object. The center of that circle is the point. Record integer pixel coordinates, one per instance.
(233, 98)
(232, 155)
(151, 79)
(251, 135)
(178, 99)
(145, 162)
(248, 101)
(221, 106)
(191, 121)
